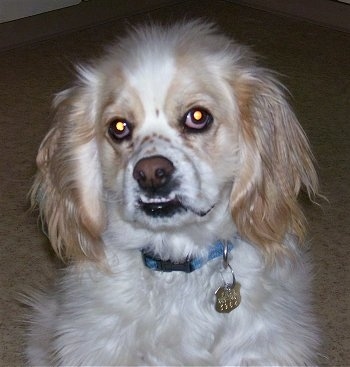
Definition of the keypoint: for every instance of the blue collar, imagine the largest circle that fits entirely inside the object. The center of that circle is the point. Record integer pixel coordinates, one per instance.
(155, 263)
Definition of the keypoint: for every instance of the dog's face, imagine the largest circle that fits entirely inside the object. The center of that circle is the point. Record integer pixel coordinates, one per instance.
(170, 142)
(173, 127)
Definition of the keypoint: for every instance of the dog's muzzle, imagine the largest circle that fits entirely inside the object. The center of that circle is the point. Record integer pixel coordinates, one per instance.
(155, 178)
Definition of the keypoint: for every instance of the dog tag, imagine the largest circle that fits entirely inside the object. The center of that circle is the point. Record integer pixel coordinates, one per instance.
(227, 298)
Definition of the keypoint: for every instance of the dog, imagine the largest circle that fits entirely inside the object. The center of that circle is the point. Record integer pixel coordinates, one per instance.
(169, 183)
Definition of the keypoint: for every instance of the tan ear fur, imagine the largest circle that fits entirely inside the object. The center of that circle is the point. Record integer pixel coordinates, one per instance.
(68, 185)
(276, 162)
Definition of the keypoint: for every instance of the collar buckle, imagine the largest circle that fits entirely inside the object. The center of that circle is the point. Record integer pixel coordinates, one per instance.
(169, 266)
(166, 265)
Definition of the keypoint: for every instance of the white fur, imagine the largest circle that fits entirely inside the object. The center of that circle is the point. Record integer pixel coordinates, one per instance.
(129, 314)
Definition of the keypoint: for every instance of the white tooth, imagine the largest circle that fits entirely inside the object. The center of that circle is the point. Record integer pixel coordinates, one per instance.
(147, 200)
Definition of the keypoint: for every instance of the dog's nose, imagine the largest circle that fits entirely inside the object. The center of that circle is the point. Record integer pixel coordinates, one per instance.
(154, 172)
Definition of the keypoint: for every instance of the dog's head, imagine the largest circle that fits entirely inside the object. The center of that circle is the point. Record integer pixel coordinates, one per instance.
(173, 127)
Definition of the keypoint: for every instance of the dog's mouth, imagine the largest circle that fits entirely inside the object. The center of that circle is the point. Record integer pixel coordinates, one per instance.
(161, 207)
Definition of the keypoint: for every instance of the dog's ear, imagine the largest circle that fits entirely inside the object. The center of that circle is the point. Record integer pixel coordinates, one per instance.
(68, 185)
(276, 162)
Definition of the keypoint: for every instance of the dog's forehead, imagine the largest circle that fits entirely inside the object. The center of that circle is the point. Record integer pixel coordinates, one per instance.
(151, 80)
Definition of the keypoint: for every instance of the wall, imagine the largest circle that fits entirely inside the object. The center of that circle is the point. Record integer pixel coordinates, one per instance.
(15, 9)
(72, 18)
(328, 13)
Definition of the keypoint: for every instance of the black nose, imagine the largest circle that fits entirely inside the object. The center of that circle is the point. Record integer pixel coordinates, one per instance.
(153, 173)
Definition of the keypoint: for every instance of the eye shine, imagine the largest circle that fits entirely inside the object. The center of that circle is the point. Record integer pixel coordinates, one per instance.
(197, 119)
(119, 129)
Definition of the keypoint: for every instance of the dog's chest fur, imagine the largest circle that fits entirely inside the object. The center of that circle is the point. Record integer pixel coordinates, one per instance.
(143, 317)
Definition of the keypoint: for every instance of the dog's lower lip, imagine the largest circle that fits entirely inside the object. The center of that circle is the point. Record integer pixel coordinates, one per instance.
(203, 213)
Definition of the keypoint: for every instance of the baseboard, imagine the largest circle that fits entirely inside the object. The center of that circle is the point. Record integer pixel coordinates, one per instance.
(83, 15)
(328, 13)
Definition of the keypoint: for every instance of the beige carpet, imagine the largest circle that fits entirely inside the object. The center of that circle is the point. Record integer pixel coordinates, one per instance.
(316, 65)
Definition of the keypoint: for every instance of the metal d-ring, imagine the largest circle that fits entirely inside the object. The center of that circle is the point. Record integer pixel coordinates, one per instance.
(227, 265)
(225, 256)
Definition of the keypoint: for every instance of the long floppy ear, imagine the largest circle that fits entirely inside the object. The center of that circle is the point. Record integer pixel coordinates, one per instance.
(68, 185)
(276, 162)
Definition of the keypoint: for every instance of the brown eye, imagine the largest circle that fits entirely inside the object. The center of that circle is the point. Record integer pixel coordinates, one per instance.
(119, 129)
(197, 118)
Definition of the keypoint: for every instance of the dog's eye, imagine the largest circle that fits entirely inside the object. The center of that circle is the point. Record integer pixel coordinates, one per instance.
(197, 119)
(119, 129)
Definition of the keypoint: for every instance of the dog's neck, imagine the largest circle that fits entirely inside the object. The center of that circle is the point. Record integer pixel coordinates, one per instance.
(188, 265)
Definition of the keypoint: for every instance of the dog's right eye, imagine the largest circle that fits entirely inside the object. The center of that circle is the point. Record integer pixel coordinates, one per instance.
(120, 129)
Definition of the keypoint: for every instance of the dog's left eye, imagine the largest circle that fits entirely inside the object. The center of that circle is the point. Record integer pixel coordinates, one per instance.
(197, 118)
(119, 129)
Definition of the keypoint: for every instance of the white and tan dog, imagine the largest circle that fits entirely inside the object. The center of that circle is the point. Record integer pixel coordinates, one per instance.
(169, 181)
